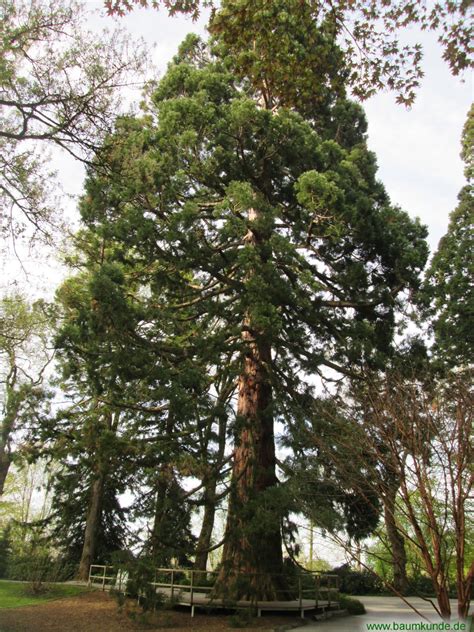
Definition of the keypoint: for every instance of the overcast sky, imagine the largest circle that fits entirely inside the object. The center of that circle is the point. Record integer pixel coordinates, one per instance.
(417, 149)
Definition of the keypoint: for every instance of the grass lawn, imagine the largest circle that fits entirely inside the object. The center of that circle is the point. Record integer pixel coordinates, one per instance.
(16, 594)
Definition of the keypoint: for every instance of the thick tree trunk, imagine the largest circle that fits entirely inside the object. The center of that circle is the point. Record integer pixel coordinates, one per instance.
(253, 536)
(397, 543)
(5, 462)
(92, 524)
(252, 560)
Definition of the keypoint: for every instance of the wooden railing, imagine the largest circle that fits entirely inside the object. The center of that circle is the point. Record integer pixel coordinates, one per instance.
(323, 588)
(102, 577)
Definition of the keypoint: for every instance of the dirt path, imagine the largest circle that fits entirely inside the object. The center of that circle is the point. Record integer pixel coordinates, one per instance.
(97, 612)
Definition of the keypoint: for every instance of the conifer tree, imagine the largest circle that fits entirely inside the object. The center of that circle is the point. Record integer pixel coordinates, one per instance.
(448, 290)
(260, 222)
(132, 401)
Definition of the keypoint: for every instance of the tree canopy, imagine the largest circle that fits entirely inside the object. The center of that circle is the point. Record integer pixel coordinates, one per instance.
(448, 292)
(368, 32)
(59, 87)
(263, 233)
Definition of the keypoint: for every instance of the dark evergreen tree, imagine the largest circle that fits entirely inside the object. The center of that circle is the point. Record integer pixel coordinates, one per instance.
(92, 436)
(75, 499)
(136, 402)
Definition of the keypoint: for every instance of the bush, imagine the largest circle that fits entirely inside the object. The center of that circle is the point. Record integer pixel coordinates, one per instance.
(353, 606)
(141, 574)
(421, 585)
(358, 582)
(38, 568)
(201, 578)
(241, 619)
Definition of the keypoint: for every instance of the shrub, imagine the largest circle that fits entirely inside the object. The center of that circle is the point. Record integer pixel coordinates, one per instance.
(357, 582)
(38, 568)
(141, 575)
(241, 619)
(421, 585)
(353, 606)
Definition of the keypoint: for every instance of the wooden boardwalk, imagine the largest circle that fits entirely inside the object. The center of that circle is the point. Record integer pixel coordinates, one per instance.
(181, 596)
(322, 596)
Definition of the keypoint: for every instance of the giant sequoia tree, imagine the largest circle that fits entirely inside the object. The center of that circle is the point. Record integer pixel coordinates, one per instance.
(256, 216)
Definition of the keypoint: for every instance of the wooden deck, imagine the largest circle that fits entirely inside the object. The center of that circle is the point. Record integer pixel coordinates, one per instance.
(183, 597)
(322, 596)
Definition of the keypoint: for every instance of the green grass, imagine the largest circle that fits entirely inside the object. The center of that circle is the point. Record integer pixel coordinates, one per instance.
(16, 594)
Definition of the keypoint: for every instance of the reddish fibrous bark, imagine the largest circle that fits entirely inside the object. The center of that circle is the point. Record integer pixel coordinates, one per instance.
(428, 442)
(260, 559)
(252, 566)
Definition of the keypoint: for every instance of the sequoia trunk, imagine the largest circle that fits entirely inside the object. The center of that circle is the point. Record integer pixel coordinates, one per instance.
(253, 548)
(92, 525)
(252, 560)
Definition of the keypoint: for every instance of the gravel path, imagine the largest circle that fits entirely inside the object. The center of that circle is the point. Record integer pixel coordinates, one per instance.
(381, 610)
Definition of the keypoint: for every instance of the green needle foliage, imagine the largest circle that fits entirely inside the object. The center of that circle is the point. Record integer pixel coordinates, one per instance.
(448, 290)
(262, 241)
(332, 253)
(135, 402)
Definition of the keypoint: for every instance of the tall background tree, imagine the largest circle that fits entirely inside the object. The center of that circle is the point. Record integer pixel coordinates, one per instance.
(140, 413)
(448, 291)
(25, 354)
(60, 86)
